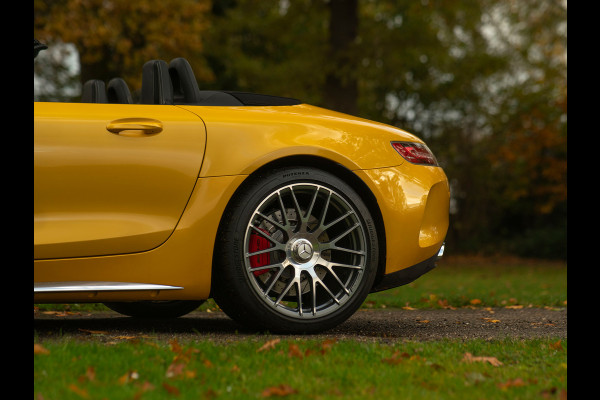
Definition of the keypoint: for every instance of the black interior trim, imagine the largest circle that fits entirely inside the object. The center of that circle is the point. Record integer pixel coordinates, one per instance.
(255, 99)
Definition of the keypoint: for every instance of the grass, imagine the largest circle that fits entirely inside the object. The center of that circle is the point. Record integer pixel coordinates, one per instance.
(147, 368)
(481, 282)
(302, 369)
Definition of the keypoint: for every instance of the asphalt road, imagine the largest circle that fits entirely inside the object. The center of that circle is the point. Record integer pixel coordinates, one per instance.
(365, 325)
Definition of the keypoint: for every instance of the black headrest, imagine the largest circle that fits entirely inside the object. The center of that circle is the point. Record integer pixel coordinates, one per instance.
(156, 83)
(185, 86)
(37, 47)
(118, 92)
(94, 91)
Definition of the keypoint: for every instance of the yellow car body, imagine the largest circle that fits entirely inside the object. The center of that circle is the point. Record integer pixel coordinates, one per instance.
(128, 198)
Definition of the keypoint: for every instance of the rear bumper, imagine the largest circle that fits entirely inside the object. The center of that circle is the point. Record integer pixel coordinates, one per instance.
(414, 202)
(407, 275)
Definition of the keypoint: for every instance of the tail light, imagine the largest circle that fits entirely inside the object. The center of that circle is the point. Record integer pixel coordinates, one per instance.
(416, 153)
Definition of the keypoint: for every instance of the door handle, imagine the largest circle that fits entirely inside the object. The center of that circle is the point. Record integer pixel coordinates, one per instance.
(135, 127)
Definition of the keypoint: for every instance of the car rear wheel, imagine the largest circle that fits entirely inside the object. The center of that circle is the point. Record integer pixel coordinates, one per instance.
(297, 252)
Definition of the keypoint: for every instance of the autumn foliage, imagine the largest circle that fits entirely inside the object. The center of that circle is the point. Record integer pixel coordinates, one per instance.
(483, 82)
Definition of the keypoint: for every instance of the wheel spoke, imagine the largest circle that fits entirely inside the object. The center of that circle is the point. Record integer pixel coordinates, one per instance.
(332, 223)
(312, 204)
(350, 266)
(306, 279)
(275, 279)
(263, 234)
(324, 286)
(345, 233)
(325, 209)
(299, 295)
(288, 288)
(313, 289)
(283, 211)
(329, 246)
(337, 278)
(264, 267)
(271, 221)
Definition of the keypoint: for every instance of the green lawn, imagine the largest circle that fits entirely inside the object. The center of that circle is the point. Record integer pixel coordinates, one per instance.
(301, 369)
(148, 368)
(481, 283)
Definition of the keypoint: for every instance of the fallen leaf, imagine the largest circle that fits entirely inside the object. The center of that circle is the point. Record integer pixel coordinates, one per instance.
(268, 345)
(444, 304)
(129, 376)
(63, 313)
(395, 359)
(279, 390)
(326, 345)
(294, 351)
(475, 301)
(180, 355)
(175, 369)
(491, 320)
(39, 349)
(468, 357)
(79, 391)
(423, 321)
(171, 389)
(512, 383)
(144, 387)
(90, 375)
(551, 394)
(93, 332)
(175, 347)
(556, 345)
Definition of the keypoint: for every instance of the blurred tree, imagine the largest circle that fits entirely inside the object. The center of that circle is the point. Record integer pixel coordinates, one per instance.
(272, 46)
(528, 155)
(116, 37)
(482, 81)
(340, 91)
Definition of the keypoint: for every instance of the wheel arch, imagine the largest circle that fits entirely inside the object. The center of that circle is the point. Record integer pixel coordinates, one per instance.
(340, 171)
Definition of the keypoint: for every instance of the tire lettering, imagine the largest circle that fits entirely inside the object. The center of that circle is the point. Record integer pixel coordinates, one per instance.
(295, 174)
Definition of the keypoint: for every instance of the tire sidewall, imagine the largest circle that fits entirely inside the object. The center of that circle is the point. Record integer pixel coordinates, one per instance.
(261, 314)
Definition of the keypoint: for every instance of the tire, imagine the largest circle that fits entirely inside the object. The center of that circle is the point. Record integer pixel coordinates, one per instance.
(297, 252)
(155, 309)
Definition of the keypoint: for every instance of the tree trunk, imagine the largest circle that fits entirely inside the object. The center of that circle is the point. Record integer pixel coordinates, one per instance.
(341, 88)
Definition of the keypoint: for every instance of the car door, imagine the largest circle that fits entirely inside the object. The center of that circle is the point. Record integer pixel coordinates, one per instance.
(111, 178)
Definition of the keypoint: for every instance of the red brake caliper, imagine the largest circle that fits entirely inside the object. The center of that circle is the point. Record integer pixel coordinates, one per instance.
(257, 243)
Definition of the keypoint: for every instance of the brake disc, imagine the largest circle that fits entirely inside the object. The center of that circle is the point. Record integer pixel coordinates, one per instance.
(277, 256)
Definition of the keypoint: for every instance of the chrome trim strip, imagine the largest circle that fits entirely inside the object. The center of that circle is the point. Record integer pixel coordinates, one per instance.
(56, 287)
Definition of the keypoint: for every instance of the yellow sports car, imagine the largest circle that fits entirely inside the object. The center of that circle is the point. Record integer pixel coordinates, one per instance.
(286, 214)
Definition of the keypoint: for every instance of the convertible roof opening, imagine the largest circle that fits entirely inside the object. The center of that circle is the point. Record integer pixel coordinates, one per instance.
(173, 83)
